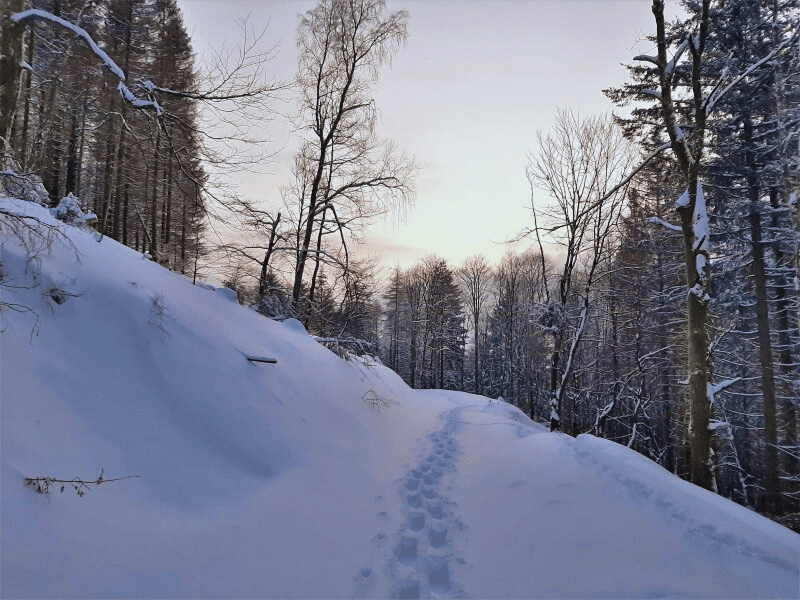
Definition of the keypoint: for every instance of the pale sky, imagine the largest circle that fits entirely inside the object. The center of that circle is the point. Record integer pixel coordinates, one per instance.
(465, 96)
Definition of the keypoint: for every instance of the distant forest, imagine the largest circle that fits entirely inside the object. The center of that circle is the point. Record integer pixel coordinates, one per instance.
(657, 306)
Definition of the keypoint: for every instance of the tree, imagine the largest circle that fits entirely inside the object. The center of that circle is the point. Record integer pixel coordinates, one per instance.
(11, 47)
(349, 173)
(685, 104)
(475, 276)
(130, 142)
(575, 165)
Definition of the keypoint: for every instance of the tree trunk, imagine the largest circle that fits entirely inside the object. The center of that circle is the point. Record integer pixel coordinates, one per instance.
(771, 476)
(697, 350)
(555, 401)
(787, 326)
(262, 280)
(72, 155)
(22, 150)
(478, 387)
(11, 44)
(154, 199)
(118, 191)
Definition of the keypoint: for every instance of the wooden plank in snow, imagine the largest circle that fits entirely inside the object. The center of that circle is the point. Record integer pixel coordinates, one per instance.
(261, 359)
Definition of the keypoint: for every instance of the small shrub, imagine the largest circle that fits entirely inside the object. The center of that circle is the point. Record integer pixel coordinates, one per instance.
(57, 294)
(81, 487)
(158, 313)
(373, 400)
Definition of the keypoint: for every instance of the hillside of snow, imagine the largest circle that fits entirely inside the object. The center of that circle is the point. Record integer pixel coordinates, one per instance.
(258, 480)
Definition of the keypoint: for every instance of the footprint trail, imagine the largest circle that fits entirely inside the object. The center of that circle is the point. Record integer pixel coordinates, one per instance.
(423, 557)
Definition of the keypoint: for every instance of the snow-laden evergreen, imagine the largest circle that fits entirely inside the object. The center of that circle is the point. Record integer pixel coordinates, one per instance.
(310, 477)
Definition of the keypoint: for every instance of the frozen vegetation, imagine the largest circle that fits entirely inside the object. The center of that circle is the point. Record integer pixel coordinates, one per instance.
(311, 476)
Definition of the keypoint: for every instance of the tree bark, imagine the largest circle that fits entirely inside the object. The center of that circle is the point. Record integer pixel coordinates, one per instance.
(771, 475)
(11, 45)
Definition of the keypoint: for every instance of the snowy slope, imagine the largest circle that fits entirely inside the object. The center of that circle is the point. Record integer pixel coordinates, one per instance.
(279, 481)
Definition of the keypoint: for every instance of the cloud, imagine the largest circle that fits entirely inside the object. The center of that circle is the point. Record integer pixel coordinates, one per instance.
(390, 250)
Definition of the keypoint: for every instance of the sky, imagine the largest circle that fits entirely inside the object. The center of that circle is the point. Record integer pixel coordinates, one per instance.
(466, 97)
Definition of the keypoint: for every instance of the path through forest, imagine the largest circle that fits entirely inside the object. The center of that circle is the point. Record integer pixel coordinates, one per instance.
(424, 548)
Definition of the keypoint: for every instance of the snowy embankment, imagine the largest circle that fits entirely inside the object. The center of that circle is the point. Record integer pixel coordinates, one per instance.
(267, 480)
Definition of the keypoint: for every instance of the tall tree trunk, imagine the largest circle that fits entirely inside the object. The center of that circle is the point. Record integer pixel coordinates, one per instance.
(478, 386)
(118, 179)
(81, 149)
(184, 228)
(72, 155)
(154, 200)
(11, 44)
(555, 401)
(787, 327)
(262, 280)
(771, 477)
(697, 364)
(54, 158)
(23, 145)
(413, 356)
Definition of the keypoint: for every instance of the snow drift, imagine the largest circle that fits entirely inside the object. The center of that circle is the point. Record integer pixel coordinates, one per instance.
(290, 479)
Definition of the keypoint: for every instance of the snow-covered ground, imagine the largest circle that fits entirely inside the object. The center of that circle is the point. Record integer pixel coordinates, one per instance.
(260, 480)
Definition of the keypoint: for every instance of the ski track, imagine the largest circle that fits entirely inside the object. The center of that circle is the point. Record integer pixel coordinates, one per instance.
(423, 557)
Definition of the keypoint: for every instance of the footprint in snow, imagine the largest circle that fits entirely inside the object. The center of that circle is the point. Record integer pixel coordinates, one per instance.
(422, 558)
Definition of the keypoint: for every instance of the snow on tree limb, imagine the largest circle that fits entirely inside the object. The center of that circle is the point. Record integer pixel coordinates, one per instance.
(137, 102)
(716, 388)
(715, 96)
(670, 67)
(650, 92)
(663, 223)
(36, 14)
(646, 58)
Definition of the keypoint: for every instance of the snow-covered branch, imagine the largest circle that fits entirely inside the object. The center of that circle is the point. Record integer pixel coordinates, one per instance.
(714, 389)
(35, 14)
(663, 223)
(715, 97)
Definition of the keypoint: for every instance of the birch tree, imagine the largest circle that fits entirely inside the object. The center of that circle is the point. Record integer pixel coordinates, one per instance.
(352, 174)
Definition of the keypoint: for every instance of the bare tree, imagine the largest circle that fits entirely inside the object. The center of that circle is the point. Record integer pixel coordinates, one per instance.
(475, 276)
(351, 173)
(575, 165)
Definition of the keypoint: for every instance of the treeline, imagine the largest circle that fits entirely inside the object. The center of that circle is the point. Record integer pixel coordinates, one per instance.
(138, 169)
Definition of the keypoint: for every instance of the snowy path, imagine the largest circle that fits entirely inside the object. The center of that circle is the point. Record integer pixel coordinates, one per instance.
(280, 482)
(423, 553)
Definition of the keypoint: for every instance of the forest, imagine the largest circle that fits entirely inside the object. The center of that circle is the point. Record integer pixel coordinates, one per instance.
(658, 304)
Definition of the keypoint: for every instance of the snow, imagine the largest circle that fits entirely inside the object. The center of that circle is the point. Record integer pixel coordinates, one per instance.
(228, 294)
(283, 480)
(123, 89)
(700, 230)
(700, 263)
(701, 233)
(663, 223)
(650, 92)
(79, 31)
(136, 102)
(69, 210)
